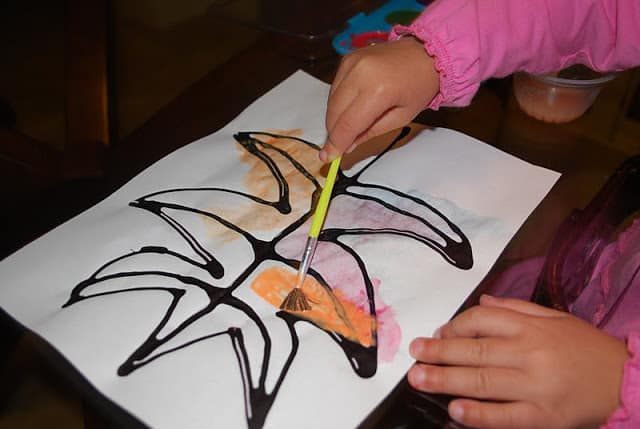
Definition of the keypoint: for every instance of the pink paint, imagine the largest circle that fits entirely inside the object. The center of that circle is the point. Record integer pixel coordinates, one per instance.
(347, 212)
(367, 39)
(340, 270)
(389, 332)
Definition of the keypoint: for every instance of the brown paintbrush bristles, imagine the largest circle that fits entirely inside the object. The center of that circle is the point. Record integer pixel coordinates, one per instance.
(296, 301)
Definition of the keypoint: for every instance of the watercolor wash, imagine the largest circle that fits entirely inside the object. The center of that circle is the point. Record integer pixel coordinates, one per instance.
(271, 220)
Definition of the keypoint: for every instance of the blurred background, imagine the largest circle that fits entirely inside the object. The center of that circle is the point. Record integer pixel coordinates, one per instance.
(78, 78)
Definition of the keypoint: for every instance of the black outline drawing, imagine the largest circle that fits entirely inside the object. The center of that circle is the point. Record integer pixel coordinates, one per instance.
(258, 399)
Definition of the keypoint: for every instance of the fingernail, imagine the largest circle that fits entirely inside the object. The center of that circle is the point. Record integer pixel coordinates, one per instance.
(329, 150)
(415, 348)
(352, 148)
(326, 155)
(416, 376)
(456, 411)
(330, 157)
(485, 298)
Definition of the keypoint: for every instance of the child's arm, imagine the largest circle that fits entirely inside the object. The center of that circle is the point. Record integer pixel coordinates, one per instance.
(469, 41)
(522, 365)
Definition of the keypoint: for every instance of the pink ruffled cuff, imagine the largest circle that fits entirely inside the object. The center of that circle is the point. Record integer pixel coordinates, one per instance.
(628, 415)
(454, 49)
(537, 36)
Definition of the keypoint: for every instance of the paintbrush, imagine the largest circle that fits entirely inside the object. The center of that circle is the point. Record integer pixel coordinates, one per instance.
(296, 300)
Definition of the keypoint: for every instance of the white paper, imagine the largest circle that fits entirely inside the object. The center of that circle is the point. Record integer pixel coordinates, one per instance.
(142, 263)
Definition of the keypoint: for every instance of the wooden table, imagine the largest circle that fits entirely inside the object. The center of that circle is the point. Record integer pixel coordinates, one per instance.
(493, 117)
(584, 160)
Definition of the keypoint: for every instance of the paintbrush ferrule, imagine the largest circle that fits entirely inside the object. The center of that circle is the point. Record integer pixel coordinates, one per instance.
(305, 262)
(296, 300)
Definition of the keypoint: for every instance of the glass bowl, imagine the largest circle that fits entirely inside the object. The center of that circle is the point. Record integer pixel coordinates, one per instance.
(559, 97)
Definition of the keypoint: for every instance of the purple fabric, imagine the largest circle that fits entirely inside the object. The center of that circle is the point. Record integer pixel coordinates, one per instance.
(473, 40)
(611, 303)
(628, 415)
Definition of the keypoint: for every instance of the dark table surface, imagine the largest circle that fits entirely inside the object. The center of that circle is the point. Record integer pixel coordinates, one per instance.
(577, 150)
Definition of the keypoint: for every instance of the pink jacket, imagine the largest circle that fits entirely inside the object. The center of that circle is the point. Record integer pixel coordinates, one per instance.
(537, 36)
(473, 40)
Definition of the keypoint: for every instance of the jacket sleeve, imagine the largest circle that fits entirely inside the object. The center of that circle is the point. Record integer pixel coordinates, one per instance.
(628, 415)
(473, 40)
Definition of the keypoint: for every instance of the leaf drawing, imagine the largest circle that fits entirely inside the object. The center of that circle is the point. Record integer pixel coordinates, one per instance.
(271, 228)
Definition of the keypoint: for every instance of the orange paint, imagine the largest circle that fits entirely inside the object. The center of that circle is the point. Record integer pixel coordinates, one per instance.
(261, 183)
(329, 309)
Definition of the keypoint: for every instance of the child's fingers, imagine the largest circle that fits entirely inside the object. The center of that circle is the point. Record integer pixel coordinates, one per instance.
(471, 352)
(356, 118)
(338, 103)
(503, 384)
(519, 305)
(346, 66)
(506, 415)
(484, 321)
(347, 86)
(394, 117)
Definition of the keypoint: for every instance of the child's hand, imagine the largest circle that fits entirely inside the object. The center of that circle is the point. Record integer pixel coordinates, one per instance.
(522, 365)
(378, 89)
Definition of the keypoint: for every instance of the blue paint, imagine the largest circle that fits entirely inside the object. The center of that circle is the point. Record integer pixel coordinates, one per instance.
(376, 21)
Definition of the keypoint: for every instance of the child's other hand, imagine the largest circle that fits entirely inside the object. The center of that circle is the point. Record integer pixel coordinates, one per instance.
(521, 365)
(378, 89)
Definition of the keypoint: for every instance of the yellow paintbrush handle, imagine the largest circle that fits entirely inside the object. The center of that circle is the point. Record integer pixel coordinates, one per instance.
(325, 196)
